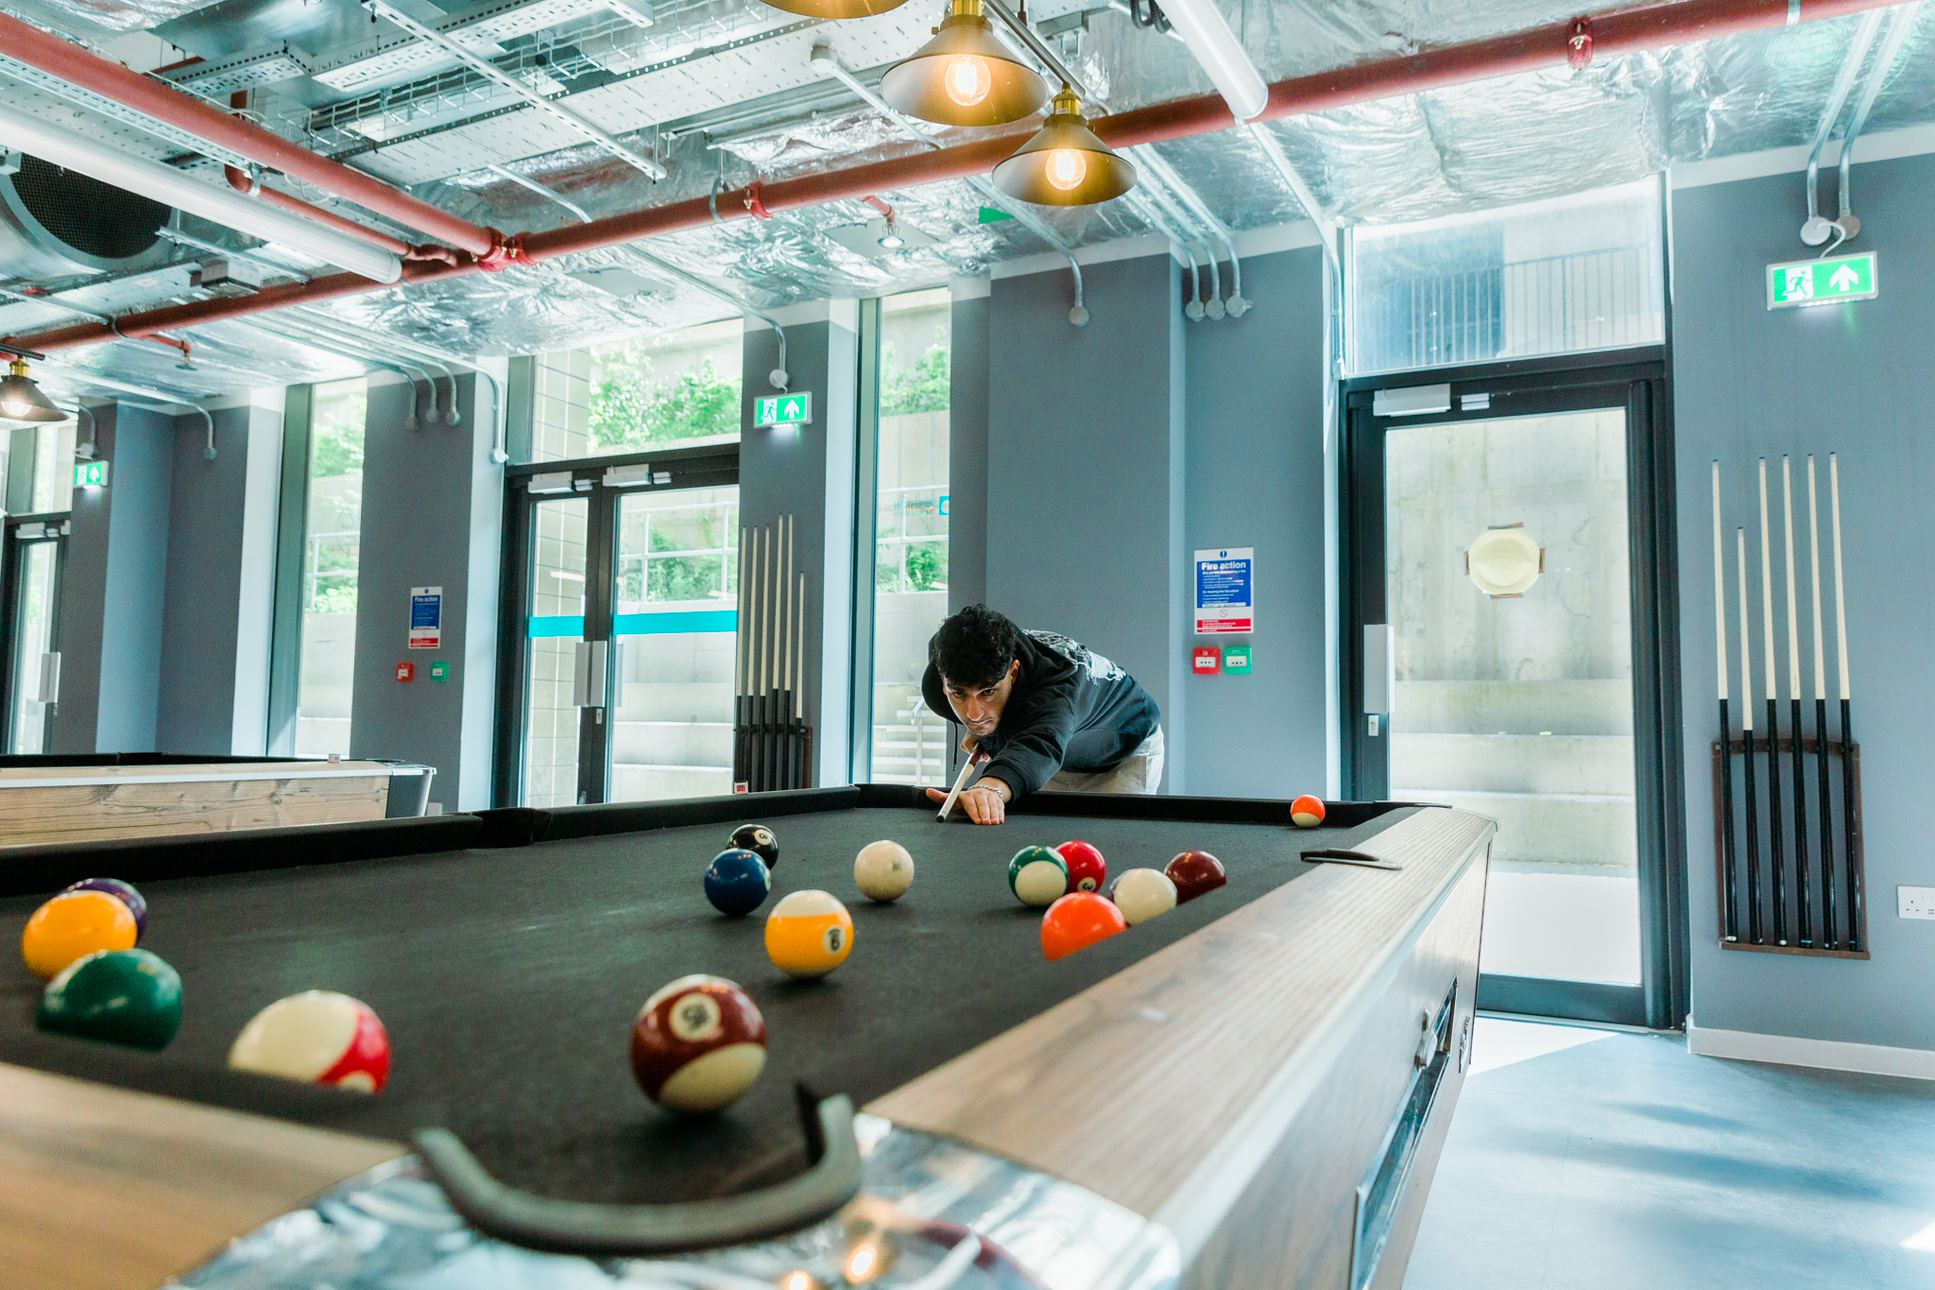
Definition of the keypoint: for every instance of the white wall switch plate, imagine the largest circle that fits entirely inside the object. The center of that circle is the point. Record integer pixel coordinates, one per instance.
(1915, 902)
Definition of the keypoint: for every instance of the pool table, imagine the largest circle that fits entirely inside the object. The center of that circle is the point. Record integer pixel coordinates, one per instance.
(53, 798)
(1249, 1090)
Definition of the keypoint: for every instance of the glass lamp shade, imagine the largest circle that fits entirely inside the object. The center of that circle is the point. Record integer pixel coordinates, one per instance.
(1065, 164)
(22, 400)
(964, 76)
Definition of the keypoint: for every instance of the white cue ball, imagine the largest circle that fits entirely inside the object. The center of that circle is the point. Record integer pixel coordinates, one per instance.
(883, 871)
(1141, 894)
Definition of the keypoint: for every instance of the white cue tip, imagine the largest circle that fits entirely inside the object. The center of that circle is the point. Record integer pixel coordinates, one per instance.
(960, 781)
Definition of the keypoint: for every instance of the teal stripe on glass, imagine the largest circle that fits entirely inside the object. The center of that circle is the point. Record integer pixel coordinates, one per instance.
(676, 622)
(544, 626)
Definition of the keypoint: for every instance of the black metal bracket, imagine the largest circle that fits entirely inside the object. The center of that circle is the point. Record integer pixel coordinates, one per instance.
(625, 1231)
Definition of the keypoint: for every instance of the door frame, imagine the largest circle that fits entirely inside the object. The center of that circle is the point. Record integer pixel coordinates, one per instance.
(602, 482)
(54, 527)
(1638, 380)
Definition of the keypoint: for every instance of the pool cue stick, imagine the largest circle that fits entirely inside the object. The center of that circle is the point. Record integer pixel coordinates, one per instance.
(1803, 876)
(960, 782)
(1729, 886)
(1847, 693)
(749, 574)
(1778, 853)
(759, 655)
(782, 745)
(766, 675)
(1747, 736)
(739, 774)
(804, 746)
(1830, 935)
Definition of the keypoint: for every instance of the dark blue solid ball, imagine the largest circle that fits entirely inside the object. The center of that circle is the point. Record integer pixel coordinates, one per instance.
(736, 882)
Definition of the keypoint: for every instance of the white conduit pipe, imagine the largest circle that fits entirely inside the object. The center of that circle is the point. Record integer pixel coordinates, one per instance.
(1849, 224)
(410, 345)
(1816, 230)
(62, 147)
(1178, 247)
(304, 332)
(1198, 308)
(1237, 305)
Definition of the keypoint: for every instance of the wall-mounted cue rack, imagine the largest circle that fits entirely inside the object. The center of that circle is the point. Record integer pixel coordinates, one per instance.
(1786, 806)
(772, 745)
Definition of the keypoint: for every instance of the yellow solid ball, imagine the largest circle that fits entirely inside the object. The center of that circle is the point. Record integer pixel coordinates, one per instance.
(72, 926)
(808, 934)
(883, 871)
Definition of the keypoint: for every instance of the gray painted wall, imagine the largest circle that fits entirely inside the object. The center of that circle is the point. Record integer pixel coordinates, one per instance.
(1854, 379)
(809, 473)
(1083, 455)
(196, 710)
(112, 600)
(1254, 471)
(967, 464)
(426, 513)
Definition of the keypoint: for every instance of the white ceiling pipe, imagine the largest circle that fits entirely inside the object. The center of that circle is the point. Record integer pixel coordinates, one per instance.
(1273, 153)
(330, 343)
(1219, 53)
(91, 157)
(1237, 305)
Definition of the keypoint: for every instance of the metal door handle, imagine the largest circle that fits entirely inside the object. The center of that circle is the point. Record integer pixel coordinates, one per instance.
(1380, 679)
(589, 663)
(50, 678)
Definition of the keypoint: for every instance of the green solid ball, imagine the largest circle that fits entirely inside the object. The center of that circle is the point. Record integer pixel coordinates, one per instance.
(1038, 876)
(126, 997)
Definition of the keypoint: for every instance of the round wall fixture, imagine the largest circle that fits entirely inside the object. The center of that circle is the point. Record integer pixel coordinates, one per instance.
(1504, 561)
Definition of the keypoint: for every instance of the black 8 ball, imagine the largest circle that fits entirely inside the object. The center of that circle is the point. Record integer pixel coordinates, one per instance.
(759, 840)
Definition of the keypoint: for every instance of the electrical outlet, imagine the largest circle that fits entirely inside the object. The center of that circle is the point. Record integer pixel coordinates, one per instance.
(1915, 902)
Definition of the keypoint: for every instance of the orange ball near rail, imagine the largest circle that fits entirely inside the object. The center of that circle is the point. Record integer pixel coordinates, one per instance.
(1307, 812)
(72, 926)
(1077, 921)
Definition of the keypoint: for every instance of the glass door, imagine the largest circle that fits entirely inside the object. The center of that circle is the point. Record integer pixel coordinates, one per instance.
(33, 555)
(621, 630)
(1507, 652)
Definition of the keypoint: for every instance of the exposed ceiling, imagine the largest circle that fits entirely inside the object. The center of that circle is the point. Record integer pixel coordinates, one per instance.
(724, 91)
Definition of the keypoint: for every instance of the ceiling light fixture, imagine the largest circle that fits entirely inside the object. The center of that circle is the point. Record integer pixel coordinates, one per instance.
(1065, 164)
(21, 398)
(964, 75)
(836, 9)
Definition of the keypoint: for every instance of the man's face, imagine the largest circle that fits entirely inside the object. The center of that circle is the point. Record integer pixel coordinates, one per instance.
(979, 706)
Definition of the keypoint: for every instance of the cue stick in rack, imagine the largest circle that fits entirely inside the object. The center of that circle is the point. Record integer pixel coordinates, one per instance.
(766, 669)
(1730, 916)
(1747, 736)
(1830, 936)
(762, 547)
(749, 576)
(1773, 717)
(799, 690)
(1803, 877)
(1847, 737)
(739, 774)
(783, 775)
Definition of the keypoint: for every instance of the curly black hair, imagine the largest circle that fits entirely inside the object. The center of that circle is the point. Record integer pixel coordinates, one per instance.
(975, 647)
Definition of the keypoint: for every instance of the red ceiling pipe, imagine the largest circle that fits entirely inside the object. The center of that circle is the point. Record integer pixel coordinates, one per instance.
(1550, 46)
(71, 63)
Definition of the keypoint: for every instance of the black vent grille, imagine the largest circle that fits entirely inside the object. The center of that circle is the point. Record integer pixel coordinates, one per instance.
(94, 218)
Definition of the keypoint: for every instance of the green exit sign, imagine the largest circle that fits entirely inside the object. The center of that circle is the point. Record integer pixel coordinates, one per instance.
(783, 410)
(90, 474)
(1822, 282)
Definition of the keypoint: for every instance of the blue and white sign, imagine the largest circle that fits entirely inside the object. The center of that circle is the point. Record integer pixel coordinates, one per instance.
(1226, 591)
(426, 618)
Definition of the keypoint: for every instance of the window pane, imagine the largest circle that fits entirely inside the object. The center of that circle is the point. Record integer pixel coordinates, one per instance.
(556, 625)
(1563, 276)
(910, 546)
(331, 548)
(53, 468)
(679, 387)
(34, 635)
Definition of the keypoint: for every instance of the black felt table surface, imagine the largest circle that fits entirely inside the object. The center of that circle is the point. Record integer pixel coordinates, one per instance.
(508, 980)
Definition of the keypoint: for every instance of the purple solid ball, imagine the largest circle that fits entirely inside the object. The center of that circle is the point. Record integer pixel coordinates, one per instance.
(121, 891)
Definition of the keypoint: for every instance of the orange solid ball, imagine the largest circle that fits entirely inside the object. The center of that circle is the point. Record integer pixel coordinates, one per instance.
(1307, 812)
(72, 926)
(1077, 921)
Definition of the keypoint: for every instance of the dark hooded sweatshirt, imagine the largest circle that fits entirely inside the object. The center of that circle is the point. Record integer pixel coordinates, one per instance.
(1071, 709)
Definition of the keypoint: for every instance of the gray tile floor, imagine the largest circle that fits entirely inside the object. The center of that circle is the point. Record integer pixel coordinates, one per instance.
(1589, 1160)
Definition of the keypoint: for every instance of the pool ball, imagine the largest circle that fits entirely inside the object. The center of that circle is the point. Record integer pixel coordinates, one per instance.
(316, 1037)
(73, 925)
(1078, 920)
(1038, 876)
(808, 934)
(121, 996)
(736, 882)
(1142, 894)
(1087, 871)
(1307, 812)
(121, 891)
(1195, 872)
(698, 1044)
(883, 871)
(759, 840)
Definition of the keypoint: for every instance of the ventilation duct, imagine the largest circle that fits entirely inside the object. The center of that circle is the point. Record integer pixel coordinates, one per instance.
(55, 223)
